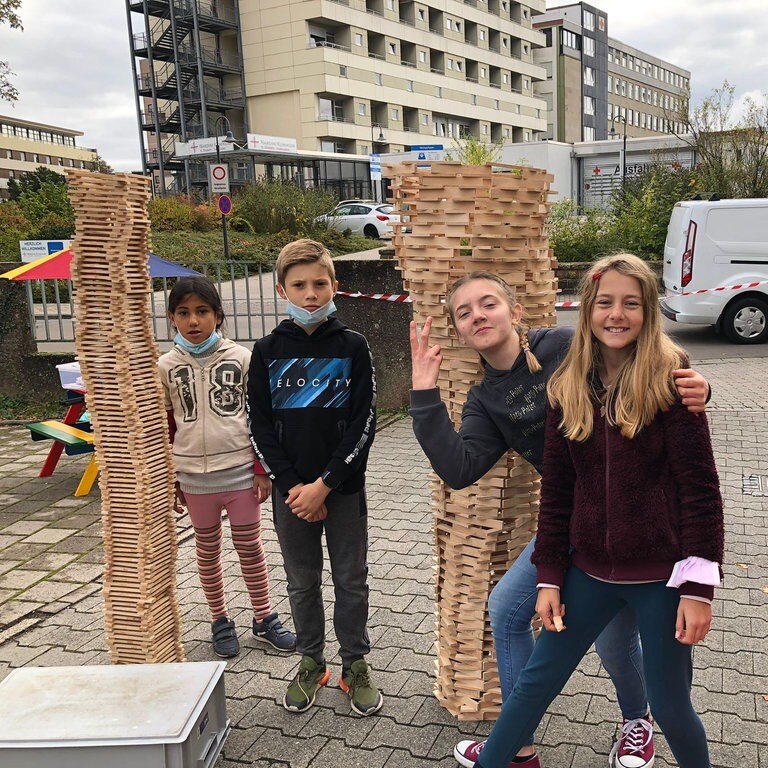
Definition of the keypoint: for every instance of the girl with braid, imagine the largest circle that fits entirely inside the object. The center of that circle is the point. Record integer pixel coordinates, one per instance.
(507, 411)
(204, 380)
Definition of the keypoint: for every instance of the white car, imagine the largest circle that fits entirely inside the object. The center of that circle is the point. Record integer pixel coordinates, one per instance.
(362, 217)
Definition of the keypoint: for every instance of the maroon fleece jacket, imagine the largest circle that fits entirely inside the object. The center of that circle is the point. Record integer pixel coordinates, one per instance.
(628, 510)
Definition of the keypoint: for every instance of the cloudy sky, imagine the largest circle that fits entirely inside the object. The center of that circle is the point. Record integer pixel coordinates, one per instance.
(73, 68)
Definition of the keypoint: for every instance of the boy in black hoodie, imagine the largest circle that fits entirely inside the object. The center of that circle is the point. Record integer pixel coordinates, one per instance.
(312, 408)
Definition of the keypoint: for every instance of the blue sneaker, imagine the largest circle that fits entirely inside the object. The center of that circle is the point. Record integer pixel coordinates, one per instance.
(225, 642)
(272, 631)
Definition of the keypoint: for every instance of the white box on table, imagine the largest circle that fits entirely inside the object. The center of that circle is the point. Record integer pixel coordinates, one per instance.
(70, 375)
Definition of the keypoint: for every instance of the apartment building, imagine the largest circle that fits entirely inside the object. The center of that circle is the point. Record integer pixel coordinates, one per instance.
(25, 146)
(596, 84)
(344, 78)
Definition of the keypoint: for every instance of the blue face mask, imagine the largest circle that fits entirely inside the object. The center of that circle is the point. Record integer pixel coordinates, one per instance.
(305, 317)
(197, 349)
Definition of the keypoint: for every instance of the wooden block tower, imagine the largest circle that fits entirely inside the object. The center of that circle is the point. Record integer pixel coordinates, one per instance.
(118, 357)
(456, 219)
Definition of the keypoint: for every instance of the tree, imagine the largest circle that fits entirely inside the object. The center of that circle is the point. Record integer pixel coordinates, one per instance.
(32, 181)
(100, 165)
(469, 150)
(731, 154)
(8, 16)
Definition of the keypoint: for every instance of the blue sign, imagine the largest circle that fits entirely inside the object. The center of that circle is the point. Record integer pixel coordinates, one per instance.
(225, 205)
(425, 147)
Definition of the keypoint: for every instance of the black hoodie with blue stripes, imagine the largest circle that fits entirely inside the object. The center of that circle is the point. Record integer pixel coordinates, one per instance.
(312, 405)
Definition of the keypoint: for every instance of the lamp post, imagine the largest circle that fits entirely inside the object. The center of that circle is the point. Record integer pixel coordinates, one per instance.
(380, 140)
(228, 139)
(624, 145)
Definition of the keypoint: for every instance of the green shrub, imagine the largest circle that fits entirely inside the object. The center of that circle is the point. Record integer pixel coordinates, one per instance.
(580, 236)
(170, 214)
(272, 206)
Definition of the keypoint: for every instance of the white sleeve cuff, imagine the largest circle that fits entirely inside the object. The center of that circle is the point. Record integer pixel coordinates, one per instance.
(697, 570)
(547, 586)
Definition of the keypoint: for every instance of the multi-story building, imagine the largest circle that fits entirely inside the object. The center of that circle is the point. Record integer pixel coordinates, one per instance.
(25, 146)
(344, 78)
(596, 84)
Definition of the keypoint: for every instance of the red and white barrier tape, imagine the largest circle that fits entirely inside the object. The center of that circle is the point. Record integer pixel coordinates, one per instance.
(405, 298)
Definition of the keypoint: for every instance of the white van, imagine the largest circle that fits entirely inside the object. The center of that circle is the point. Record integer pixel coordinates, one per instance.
(716, 267)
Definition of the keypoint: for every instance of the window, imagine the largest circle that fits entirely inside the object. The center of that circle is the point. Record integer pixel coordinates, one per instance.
(361, 109)
(526, 83)
(23, 157)
(517, 109)
(439, 92)
(505, 42)
(496, 104)
(570, 40)
(589, 133)
(378, 78)
(506, 133)
(505, 78)
(525, 49)
(409, 85)
(588, 46)
(482, 71)
(342, 70)
(422, 14)
(589, 105)
(589, 20)
(358, 38)
(610, 84)
(392, 48)
(395, 113)
(449, 24)
(449, 63)
(485, 128)
(538, 113)
(390, 5)
(458, 26)
(425, 119)
(423, 57)
(459, 66)
(473, 99)
(482, 35)
(589, 76)
(526, 135)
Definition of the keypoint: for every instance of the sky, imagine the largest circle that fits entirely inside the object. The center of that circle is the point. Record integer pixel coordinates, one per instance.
(73, 67)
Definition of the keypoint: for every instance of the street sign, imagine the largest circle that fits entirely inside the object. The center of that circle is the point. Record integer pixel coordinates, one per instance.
(219, 178)
(375, 161)
(425, 147)
(225, 205)
(33, 249)
(203, 147)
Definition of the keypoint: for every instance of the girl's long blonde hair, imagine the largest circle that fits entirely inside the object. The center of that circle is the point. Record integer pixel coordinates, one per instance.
(644, 385)
(507, 292)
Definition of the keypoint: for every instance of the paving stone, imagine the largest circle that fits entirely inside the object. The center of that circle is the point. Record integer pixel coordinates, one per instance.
(49, 535)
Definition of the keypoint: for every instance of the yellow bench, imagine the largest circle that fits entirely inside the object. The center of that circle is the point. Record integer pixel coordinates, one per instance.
(75, 441)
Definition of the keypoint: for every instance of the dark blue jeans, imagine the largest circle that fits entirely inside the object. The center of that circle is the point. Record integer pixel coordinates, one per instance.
(512, 605)
(590, 604)
(346, 538)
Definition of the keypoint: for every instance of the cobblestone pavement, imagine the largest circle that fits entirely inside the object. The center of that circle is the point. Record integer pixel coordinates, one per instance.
(50, 611)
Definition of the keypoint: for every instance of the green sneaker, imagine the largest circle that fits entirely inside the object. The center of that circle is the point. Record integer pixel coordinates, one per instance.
(302, 691)
(357, 684)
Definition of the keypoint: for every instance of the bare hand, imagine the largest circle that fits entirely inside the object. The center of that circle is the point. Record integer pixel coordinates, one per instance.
(548, 606)
(693, 620)
(309, 499)
(321, 514)
(693, 389)
(179, 501)
(425, 360)
(262, 487)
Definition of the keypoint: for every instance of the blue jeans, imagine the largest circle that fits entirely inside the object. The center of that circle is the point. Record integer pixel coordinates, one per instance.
(590, 605)
(512, 605)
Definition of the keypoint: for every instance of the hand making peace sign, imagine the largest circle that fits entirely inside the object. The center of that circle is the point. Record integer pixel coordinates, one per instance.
(425, 360)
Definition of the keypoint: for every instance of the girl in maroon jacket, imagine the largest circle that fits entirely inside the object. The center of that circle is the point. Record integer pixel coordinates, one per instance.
(630, 513)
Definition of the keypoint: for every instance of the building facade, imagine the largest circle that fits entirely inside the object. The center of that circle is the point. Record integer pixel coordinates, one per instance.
(25, 146)
(596, 84)
(342, 77)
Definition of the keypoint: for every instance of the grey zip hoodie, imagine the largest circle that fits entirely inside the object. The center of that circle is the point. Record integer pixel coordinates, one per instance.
(506, 410)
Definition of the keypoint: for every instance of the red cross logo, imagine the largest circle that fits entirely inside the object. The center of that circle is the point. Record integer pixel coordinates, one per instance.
(597, 171)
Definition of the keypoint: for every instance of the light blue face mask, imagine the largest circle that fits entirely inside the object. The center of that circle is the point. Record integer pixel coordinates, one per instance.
(305, 317)
(197, 349)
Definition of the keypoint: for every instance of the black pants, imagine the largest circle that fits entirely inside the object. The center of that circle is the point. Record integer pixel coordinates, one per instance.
(346, 538)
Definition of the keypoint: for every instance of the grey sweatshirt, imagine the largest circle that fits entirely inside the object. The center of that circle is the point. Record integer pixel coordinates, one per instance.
(506, 410)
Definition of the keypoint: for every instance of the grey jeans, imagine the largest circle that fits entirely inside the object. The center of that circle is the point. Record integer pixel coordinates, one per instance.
(346, 538)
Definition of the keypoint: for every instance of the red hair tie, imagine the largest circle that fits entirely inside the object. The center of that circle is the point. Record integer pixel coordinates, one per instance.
(597, 275)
